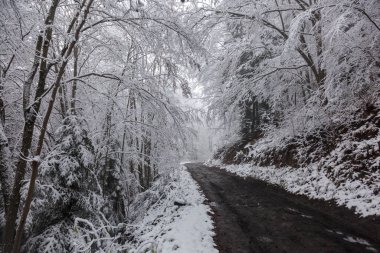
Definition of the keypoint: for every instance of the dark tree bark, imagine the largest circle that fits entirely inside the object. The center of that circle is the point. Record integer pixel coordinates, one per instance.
(74, 87)
(66, 52)
(30, 112)
(5, 172)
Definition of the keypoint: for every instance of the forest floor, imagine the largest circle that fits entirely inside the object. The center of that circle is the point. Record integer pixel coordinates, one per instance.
(253, 216)
(179, 221)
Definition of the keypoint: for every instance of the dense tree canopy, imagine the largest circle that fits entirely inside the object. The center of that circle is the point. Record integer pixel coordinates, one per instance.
(91, 115)
(314, 63)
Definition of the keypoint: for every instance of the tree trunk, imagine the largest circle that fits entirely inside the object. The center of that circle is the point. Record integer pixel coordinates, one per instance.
(5, 172)
(74, 87)
(30, 112)
(14, 247)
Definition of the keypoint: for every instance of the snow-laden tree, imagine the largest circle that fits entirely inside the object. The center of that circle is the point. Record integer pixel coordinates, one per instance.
(118, 65)
(66, 189)
(313, 62)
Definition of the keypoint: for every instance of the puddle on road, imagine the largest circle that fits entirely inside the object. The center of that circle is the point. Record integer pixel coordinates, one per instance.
(293, 210)
(361, 241)
(264, 239)
(300, 213)
(354, 239)
(336, 232)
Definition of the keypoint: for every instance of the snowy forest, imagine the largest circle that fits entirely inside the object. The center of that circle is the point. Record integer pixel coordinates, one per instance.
(101, 101)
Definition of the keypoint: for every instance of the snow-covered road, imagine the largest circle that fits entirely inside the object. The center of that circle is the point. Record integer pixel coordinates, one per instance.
(254, 216)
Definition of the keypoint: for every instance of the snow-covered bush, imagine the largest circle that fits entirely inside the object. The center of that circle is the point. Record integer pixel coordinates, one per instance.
(67, 189)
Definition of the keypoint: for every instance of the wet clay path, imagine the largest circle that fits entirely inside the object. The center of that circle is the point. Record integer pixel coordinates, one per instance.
(253, 216)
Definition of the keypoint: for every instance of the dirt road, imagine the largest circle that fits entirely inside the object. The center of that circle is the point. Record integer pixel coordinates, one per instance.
(253, 216)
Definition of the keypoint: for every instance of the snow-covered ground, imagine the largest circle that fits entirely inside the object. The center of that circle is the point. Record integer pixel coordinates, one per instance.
(180, 222)
(314, 183)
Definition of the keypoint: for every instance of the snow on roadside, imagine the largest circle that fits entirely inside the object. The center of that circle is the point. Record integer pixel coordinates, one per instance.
(314, 183)
(178, 223)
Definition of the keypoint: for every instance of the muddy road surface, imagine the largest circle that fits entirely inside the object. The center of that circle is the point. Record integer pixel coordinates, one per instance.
(253, 216)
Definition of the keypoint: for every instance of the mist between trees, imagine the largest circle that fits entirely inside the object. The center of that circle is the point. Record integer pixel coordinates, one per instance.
(91, 99)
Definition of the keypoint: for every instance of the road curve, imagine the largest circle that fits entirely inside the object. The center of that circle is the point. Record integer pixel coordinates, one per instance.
(253, 216)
